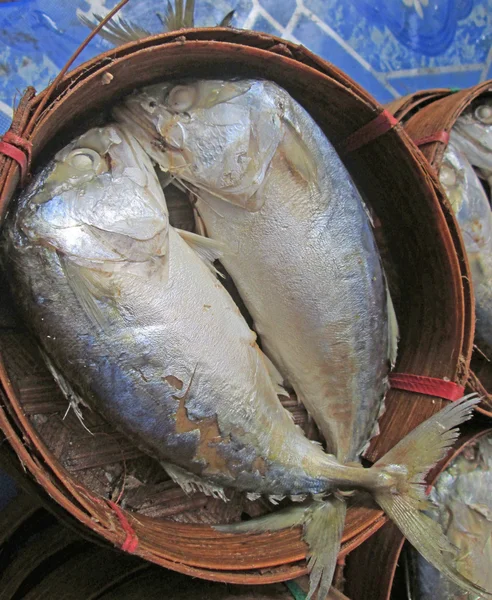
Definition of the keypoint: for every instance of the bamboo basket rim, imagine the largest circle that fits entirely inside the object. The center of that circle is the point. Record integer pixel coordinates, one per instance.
(423, 115)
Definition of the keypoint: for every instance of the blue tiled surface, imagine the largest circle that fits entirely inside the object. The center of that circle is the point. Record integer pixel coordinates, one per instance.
(391, 47)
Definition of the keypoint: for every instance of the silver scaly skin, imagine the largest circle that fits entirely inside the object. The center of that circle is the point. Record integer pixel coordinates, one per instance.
(471, 206)
(298, 243)
(133, 321)
(462, 504)
(138, 324)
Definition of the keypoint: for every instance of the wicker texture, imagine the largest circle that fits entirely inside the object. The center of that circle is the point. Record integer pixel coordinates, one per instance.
(424, 114)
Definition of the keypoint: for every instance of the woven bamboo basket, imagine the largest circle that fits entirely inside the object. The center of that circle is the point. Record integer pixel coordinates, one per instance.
(43, 559)
(424, 115)
(102, 480)
(383, 549)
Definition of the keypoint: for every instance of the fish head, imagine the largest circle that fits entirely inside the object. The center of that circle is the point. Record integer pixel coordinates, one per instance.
(476, 122)
(98, 199)
(472, 133)
(468, 200)
(217, 136)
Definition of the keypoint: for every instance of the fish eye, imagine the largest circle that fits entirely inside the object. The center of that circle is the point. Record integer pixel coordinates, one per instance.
(448, 176)
(181, 98)
(484, 114)
(86, 159)
(151, 105)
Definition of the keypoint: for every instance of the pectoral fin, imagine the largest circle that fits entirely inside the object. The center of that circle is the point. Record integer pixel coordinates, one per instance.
(297, 154)
(322, 531)
(85, 286)
(207, 249)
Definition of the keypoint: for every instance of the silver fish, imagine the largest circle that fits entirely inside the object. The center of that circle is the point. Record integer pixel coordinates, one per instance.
(471, 206)
(462, 504)
(472, 134)
(126, 310)
(133, 321)
(298, 242)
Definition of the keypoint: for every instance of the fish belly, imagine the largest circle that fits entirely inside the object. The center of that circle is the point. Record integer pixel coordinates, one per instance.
(176, 369)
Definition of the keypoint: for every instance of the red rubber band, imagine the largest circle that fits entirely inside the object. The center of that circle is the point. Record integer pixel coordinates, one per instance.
(369, 132)
(131, 542)
(429, 386)
(440, 136)
(16, 140)
(16, 154)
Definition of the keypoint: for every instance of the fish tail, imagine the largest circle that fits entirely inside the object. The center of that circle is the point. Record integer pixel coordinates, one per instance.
(322, 523)
(403, 496)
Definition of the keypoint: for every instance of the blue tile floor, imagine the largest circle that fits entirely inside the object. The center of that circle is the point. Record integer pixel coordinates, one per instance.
(390, 47)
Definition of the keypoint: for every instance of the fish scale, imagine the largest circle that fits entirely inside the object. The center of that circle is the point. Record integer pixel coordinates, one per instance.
(295, 235)
(143, 331)
(472, 210)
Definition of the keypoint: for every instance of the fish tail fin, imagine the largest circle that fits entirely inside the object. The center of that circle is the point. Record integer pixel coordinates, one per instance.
(406, 465)
(322, 523)
(323, 535)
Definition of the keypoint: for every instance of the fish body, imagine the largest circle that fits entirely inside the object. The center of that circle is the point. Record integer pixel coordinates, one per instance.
(137, 323)
(462, 504)
(472, 134)
(132, 320)
(298, 242)
(472, 209)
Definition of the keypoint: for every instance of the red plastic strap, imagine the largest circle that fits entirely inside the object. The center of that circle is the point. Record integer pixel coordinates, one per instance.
(131, 542)
(430, 386)
(369, 132)
(19, 150)
(440, 136)
(17, 155)
(16, 140)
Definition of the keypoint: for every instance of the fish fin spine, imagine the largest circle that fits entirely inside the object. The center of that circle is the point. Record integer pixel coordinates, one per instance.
(191, 483)
(322, 523)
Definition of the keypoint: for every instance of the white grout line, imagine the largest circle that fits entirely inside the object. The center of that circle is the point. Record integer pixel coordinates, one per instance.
(251, 18)
(268, 17)
(289, 28)
(434, 70)
(6, 110)
(380, 77)
(333, 34)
